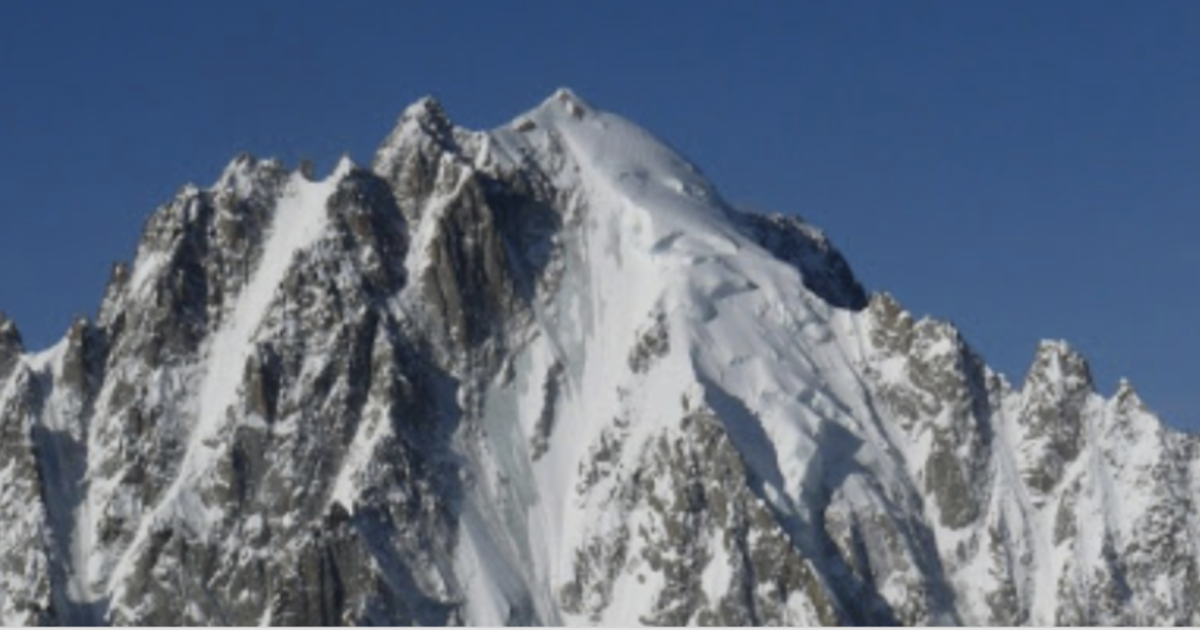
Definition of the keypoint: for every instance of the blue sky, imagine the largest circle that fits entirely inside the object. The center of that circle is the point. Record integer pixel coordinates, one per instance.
(1023, 169)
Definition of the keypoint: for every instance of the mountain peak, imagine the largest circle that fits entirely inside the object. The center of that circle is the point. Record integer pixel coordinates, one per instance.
(345, 165)
(11, 345)
(244, 173)
(628, 165)
(1057, 362)
(568, 101)
(423, 134)
(10, 335)
(7, 326)
(545, 374)
(428, 113)
(1127, 396)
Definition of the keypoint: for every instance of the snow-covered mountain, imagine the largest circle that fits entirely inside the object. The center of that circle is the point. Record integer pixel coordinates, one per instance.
(544, 374)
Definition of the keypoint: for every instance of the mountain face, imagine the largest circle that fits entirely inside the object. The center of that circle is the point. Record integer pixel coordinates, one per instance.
(544, 374)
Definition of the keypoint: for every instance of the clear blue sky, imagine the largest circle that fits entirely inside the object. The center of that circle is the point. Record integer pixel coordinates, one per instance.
(1023, 169)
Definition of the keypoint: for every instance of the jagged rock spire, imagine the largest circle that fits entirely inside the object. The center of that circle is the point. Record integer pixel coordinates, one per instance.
(11, 345)
(1055, 393)
(1058, 363)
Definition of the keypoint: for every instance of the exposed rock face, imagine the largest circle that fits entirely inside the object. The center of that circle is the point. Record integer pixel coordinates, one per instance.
(544, 374)
(826, 273)
(11, 346)
(1055, 396)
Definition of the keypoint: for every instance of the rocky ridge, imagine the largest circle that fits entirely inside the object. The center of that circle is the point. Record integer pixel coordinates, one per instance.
(545, 374)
